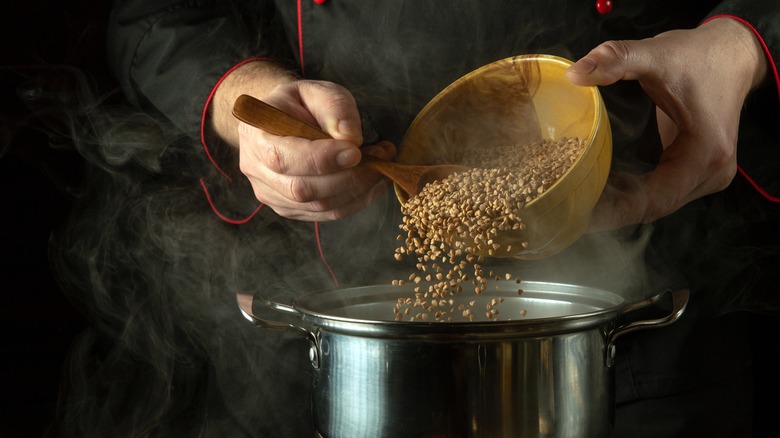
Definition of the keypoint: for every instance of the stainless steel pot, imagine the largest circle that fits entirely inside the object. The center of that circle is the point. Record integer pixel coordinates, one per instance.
(548, 374)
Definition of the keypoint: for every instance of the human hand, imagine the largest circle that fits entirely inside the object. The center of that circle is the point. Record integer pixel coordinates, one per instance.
(698, 79)
(312, 180)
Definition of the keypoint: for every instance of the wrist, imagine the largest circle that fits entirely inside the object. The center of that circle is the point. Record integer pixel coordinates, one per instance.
(748, 49)
(255, 78)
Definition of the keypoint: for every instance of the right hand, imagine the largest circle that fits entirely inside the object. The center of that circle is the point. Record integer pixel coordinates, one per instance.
(699, 79)
(312, 180)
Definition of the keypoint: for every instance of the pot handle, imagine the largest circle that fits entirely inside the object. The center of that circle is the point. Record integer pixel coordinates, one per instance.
(679, 302)
(245, 301)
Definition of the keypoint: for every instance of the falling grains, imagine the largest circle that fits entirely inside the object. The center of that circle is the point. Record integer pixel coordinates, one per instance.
(454, 221)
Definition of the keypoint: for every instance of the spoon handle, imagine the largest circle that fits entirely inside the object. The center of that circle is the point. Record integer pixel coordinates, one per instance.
(268, 118)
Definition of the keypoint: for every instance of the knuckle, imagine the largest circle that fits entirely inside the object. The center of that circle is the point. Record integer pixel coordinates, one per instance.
(338, 214)
(339, 102)
(724, 177)
(273, 158)
(314, 166)
(259, 194)
(722, 165)
(325, 210)
(613, 58)
(615, 48)
(722, 157)
(300, 190)
(658, 210)
(335, 97)
(244, 167)
(243, 130)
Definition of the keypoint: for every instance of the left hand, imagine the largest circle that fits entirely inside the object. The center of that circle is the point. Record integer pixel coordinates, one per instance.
(698, 80)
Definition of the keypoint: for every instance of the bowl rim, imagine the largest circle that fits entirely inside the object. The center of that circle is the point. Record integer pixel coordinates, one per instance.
(535, 57)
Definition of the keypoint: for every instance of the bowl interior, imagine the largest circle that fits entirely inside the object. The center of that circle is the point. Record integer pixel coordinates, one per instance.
(516, 101)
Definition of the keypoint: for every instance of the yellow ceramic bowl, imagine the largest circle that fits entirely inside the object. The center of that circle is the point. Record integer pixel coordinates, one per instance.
(516, 101)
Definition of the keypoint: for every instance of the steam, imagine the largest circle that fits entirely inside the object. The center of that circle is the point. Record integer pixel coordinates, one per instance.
(156, 272)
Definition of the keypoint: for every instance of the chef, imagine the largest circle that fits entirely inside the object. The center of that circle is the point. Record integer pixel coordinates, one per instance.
(692, 92)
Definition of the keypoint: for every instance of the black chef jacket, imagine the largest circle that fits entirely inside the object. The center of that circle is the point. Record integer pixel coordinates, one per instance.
(689, 379)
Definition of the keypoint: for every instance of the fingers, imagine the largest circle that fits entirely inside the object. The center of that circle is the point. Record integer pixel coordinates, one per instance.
(294, 156)
(688, 171)
(291, 186)
(335, 208)
(623, 202)
(361, 188)
(299, 170)
(685, 173)
(312, 180)
(317, 197)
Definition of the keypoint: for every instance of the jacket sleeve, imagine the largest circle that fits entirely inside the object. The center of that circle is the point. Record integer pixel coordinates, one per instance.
(758, 154)
(168, 54)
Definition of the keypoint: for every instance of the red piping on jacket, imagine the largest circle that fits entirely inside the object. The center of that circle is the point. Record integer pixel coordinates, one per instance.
(768, 54)
(776, 75)
(203, 117)
(300, 37)
(205, 113)
(222, 216)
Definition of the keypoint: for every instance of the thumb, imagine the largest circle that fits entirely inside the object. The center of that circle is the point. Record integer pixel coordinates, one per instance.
(342, 121)
(610, 62)
(334, 108)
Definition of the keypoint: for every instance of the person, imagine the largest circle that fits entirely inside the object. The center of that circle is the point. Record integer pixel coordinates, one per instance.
(692, 92)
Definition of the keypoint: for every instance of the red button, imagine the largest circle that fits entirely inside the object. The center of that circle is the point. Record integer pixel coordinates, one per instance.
(604, 6)
(319, 2)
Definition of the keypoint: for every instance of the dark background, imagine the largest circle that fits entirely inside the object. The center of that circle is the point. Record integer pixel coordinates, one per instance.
(40, 182)
(40, 179)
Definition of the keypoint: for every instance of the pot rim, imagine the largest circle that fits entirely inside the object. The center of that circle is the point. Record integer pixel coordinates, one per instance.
(606, 307)
(605, 320)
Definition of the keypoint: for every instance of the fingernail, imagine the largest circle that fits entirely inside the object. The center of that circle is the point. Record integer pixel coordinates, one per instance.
(348, 157)
(583, 66)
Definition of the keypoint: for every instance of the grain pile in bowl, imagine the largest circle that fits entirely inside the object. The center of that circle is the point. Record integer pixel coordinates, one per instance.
(453, 220)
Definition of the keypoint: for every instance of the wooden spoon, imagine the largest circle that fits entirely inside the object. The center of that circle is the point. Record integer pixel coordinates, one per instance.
(409, 178)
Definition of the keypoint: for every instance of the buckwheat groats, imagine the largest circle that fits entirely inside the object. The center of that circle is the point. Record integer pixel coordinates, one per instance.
(451, 223)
